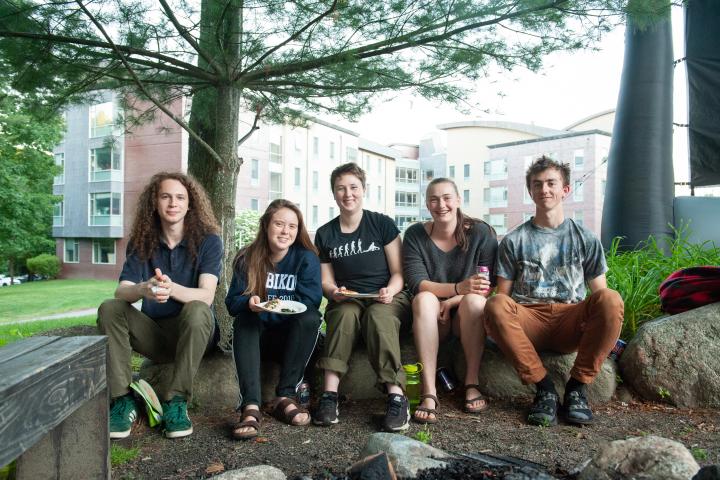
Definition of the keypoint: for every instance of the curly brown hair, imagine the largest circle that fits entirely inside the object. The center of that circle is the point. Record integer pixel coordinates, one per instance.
(199, 220)
(255, 258)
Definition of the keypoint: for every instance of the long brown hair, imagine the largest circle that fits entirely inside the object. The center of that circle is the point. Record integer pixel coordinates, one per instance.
(464, 222)
(256, 256)
(147, 230)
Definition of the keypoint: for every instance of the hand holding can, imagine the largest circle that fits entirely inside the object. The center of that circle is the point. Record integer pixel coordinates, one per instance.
(483, 272)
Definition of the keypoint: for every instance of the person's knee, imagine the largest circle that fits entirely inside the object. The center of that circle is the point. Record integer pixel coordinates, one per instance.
(474, 304)
(108, 312)
(611, 303)
(309, 321)
(494, 307)
(424, 301)
(196, 314)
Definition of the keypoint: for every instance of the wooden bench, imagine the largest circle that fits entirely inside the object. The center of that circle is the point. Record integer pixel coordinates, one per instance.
(54, 408)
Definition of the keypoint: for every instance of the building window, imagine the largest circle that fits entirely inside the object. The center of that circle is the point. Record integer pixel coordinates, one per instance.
(316, 148)
(406, 175)
(60, 163)
(315, 216)
(331, 213)
(451, 172)
(297, 177)
(104, 251)
(105, 164)
(579, 217)
(578, 191)
(495, 197)
(379, 192)
(498, 221)
(254, 171)
(276, 152)
(101, 120)
(379, 165)
(59, 214)
(402, 221)
(72, 250)
(466, 171)
(351, 154)
(496, 169)
(276, 190)
(315, 180)
(332, 151)
(466, 198)
(254, 204)
(429, 175)
(527, 199)
(579, 159)
(406, 199)
(105, 209)
(368, 187)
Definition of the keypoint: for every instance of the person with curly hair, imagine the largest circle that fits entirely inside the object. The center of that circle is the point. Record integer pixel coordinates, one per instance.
(172, 264)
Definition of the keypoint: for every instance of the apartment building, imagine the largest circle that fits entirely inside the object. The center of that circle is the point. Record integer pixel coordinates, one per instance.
(506, 197)
(408, 202)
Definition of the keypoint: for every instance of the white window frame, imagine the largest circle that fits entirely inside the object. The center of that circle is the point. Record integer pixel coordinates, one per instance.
(61, 217)
(105, 129)
(59, 179)
(95, 244)
(77, 250)
(114, 219)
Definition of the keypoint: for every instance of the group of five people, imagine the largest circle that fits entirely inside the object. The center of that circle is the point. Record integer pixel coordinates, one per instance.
(376, 284)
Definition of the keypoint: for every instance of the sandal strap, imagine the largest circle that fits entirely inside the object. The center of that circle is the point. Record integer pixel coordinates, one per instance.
(287, 417)
(252, 412)
(470, 401)
(247, 423)
(426, 410)
(472, 385)
(431, 397)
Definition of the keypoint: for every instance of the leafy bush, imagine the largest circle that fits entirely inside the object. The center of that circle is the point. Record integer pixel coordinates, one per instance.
(247, 224)
(44, 264)
(637, 274)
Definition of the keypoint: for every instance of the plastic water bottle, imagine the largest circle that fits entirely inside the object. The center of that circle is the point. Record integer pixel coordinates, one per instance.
(413, 384)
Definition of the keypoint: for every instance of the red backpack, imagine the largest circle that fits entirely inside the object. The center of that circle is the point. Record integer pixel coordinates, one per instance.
(690, 288)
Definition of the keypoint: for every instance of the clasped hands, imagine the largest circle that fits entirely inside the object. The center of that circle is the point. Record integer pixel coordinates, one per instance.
(159, 287)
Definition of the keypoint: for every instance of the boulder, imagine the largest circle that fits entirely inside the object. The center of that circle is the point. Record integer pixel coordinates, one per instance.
(676, 359)
(642, 458)
(260, 472)
(499, 379)
(408, 456)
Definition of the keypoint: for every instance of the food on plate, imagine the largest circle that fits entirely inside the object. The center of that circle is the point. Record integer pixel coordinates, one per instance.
(345, 291)
(272, 304)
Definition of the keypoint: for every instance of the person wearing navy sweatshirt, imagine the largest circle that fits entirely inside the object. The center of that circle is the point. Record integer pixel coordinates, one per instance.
(281, 263)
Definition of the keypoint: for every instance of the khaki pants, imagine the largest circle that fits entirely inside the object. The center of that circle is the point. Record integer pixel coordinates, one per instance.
(590, 328)
(379, 324)
(182, 340)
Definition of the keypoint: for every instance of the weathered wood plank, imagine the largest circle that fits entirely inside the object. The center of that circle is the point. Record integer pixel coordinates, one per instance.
(15, 349)
(41, 389)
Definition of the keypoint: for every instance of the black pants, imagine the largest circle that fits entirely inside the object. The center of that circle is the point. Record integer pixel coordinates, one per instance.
(294, 340)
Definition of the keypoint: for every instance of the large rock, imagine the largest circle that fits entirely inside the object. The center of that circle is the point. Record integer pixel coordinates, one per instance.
(676, 359)
(408, 456)
(499, 379)
(260, 472)
(642, 458)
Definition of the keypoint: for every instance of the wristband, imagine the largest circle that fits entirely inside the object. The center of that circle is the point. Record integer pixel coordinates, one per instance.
(456, 292)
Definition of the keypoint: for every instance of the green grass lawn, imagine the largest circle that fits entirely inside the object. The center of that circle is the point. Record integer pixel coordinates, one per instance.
(17, 331)
(34, 299)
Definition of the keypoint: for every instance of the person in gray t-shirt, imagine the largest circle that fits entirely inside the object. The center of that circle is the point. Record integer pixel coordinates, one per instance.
(543, 267)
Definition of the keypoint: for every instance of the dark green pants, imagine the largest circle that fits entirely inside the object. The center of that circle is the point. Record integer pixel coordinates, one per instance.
(181, 340)
(379, 324)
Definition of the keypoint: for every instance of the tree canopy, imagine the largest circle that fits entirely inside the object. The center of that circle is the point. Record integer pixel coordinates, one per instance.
(281, 58)
(26, 176)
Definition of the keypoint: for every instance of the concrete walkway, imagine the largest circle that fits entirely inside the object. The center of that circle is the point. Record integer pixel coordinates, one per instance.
(56, 316)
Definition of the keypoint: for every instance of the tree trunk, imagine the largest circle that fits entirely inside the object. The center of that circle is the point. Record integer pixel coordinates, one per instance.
(215, 116)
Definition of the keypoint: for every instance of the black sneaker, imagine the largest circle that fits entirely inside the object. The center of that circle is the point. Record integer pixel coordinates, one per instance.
(576, 408)
(544, 409)
(397, 414)
(326, 413)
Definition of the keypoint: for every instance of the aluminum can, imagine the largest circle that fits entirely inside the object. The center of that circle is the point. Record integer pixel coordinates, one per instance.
(483, 271)
(445, 379)
(302, 394)
(617, 350)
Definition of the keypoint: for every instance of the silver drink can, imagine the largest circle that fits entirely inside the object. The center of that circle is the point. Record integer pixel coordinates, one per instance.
(303, 394)
(445, 379)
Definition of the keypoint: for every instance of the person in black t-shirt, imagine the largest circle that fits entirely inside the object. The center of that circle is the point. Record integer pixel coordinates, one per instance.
(361, 269)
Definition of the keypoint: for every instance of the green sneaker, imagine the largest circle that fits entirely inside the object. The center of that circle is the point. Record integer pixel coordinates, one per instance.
(123, 414)
(175, 417)
(153, 407)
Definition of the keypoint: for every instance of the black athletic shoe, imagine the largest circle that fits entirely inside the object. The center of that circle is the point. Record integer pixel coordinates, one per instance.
(576, 408)
(544, 409)
(326, 413)
(397, 413)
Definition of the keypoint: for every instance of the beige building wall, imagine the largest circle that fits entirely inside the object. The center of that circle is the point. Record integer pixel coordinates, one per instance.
(600, 121)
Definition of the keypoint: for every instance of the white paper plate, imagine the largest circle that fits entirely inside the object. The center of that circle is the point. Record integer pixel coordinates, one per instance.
(359, 295)
(296, 307)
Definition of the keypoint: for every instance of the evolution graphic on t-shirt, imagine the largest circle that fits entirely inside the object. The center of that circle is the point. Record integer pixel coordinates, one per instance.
(350, 249)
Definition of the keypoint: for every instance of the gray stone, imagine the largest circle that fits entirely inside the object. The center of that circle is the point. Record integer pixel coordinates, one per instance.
(676, 359)
(499, 379)
(642, 458)
(408, 456)
(260, 472)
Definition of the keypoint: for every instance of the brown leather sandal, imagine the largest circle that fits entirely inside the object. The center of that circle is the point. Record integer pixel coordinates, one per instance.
(250, 412)
(429, 411)
(287, 417)
(467, 407)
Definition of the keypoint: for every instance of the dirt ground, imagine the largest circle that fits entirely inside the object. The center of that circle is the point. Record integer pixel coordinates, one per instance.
(500, 430)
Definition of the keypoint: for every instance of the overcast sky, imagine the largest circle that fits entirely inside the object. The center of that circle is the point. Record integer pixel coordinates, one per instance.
(569, 87)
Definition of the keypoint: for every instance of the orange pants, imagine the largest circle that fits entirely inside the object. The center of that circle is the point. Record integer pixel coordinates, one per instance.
(590, 328)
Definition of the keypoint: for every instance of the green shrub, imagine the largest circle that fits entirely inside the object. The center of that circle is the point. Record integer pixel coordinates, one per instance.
(44, 264)
(247, 224)
(637, 274)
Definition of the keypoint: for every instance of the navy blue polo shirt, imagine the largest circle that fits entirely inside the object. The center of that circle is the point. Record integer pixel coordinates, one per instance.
(176, 264)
